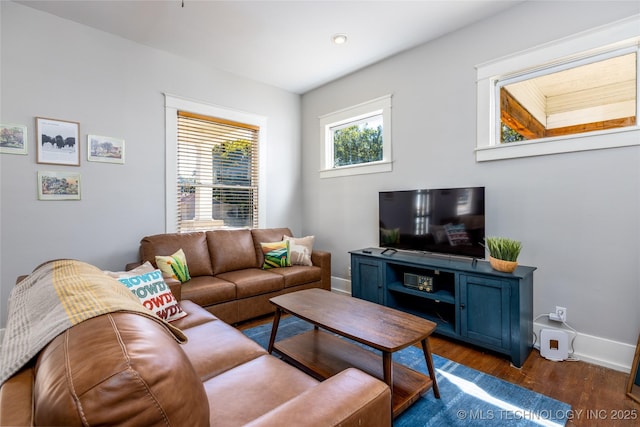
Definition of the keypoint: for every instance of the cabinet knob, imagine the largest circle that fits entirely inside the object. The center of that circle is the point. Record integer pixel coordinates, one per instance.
(461, 306)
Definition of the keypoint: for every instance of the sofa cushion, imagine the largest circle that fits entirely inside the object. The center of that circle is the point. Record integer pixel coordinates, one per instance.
(231, 250)
(265, 235)
(276, 384)
(254, 281)
(298, 275)
(215, 347)
(118, 360)
(196, 316)
(194, 246)
(276, 254)
(208, 290)
(174, 266)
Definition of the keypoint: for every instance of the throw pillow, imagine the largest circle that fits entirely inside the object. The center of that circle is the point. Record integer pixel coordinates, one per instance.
(300, 249)
(174, 266)
(457, 235)
(276, 254)
(154, 294)
(144, 268)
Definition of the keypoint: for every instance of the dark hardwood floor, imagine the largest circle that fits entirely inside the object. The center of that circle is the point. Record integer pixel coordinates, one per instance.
(596, 394)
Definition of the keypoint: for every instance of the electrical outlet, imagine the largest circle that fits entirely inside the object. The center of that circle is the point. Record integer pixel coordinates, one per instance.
(560, 315)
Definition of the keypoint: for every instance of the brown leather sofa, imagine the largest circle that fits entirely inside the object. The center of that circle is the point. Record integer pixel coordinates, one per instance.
(226, 271)
(126, 369)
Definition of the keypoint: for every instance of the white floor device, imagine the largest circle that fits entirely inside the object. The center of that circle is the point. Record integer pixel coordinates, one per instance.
(554, 344)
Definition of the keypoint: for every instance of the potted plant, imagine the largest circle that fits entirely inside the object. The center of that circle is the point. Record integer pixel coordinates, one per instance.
(503, 253)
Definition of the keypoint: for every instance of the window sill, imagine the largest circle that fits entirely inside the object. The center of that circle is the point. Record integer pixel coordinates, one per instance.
(377, 167)
(626, 137)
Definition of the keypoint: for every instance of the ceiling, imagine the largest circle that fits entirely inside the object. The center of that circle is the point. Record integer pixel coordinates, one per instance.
(595, 92)
(286, 44)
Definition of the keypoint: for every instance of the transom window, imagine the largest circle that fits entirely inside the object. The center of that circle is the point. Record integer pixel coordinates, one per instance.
(570, 99)
(579, 93)
(357, 140)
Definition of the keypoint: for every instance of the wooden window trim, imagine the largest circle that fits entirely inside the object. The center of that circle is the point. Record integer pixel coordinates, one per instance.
(516, 116)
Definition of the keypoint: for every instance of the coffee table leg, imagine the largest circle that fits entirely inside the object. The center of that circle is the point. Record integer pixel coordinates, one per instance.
(387, 366)
(426, 349)
(274, 329)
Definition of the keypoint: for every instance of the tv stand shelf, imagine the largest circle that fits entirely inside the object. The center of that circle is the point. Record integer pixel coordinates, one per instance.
(469, 300)
(442, 296)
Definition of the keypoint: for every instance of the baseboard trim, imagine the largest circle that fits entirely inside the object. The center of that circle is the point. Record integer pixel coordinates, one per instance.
(587, 348)
(596, 350)
(340, 286)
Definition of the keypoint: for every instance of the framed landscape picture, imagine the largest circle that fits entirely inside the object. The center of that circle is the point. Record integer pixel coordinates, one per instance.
(105, 149)
(57, 142)
(58, 186)
(13, 139)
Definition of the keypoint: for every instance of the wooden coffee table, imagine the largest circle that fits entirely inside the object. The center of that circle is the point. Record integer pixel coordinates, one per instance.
(322, 354)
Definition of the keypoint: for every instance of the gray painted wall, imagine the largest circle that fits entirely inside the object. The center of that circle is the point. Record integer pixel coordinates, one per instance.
(59, 69)
(577, 214)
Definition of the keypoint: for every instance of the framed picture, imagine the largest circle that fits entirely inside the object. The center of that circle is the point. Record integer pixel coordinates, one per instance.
(105, 149)
(57, 142)
(58, 186)
(13, 139)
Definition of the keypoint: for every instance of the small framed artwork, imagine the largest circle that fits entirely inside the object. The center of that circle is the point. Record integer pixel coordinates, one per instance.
(58, 186)
(105, 149)
(57, 142)
(13, 139)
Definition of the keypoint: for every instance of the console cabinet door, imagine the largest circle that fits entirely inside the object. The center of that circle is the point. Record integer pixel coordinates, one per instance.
(367, 279)
(484, 311)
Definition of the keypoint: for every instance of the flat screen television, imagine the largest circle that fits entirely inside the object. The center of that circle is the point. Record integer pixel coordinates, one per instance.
(442, 221)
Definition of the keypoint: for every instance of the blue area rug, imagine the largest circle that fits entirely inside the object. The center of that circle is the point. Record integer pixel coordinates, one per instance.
(468, 397)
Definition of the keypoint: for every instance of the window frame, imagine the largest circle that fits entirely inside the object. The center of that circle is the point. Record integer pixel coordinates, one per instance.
(621, 35)
(173, 104)
(379, 106)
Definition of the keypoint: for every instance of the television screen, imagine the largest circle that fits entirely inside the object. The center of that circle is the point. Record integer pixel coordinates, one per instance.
(449, 221)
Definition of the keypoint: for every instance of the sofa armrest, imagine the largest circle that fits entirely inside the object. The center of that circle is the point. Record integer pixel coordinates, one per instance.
(350, 398)
(16, 399)
(132, 265)
(322, 259)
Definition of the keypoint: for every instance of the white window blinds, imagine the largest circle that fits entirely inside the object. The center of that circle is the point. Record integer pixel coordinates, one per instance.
(217, 167)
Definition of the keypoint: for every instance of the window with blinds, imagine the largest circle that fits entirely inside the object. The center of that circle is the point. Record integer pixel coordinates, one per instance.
(217, 173)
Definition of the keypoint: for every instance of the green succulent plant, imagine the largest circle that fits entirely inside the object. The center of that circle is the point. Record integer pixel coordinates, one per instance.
(503, 248)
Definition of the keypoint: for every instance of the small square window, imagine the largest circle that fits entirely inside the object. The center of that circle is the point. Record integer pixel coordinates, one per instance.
(357, 140)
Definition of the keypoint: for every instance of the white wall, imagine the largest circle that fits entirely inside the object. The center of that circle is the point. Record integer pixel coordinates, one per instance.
(578, 215)
(55, 68)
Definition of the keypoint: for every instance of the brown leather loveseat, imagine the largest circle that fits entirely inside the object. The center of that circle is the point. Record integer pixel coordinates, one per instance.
(226, 271)
(126, 368)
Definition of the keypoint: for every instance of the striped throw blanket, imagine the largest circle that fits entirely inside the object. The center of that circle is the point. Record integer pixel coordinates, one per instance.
(56, 296)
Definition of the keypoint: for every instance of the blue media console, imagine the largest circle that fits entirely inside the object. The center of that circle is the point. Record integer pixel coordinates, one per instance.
(468, 299)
